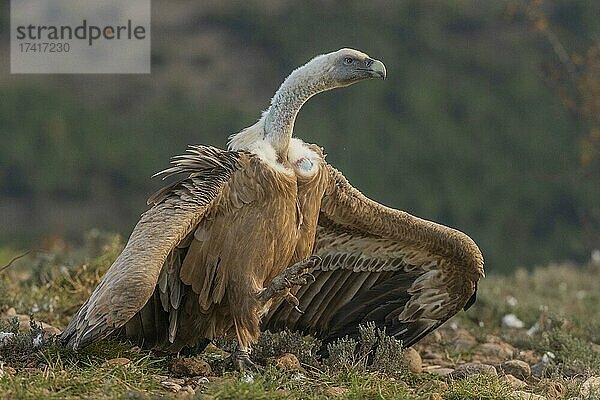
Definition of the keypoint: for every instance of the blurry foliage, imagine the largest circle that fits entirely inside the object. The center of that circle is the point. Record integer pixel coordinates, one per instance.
(466, 130)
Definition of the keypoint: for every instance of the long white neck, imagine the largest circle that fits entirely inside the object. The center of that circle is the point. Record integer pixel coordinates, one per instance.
(300, 86)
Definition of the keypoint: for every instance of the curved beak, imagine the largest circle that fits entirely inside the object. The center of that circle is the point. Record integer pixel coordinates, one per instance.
(377, 69)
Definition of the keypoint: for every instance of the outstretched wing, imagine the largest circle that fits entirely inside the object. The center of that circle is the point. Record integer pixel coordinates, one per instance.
(176, 210)
(382, 265)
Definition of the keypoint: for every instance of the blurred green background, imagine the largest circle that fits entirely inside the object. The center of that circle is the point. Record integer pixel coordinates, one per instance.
(488, 121)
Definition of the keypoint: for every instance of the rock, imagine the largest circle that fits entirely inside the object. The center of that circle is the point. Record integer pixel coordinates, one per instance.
(172, 386)
(521, 395)
(469, 369)
(11, 312)
(515, 383)
(590, 387)
(511, 321)
(500, 351)
(517, 368)
(116, 361)
(435, 396)
(462, 341)
(529, 356)
(440, 371)
(411, 360)
(288, 362)
(551, 389)
(335, 391)
(187, 389)
(189, 366)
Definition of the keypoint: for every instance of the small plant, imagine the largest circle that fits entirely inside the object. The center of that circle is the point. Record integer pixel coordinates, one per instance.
(375, 351)
(274, 344)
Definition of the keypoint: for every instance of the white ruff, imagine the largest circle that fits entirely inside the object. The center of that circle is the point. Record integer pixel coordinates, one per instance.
(252, 139)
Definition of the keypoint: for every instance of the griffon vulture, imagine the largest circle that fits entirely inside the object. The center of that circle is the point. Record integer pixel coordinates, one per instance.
(221, 246)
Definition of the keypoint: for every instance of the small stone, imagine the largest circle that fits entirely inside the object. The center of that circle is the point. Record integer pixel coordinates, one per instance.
(120, 361)
(551, 389)
(288, 362)
(512, 321)
(515, 383)
(501, 351)
(335, 391)
(521, 395)
(517, 368)
(189, 366)
(187, 389)
(469, 369)
(591, 387)
(411, 360)
(172, 386)
(435, 396)
(463, 341)
(440, 371)
(11, 312)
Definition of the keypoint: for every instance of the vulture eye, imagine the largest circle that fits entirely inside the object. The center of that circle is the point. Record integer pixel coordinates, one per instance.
(348, 60)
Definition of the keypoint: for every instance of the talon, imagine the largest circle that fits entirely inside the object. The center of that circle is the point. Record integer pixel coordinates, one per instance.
(297, 309)
(315, 259)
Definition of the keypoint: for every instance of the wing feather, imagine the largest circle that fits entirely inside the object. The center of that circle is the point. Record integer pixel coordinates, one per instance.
(381, 265)
(131, 280)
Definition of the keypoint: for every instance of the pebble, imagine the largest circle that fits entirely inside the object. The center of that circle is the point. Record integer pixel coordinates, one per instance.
(440, 371)
(190, 366)
(172, 386)
(463, 341)
(590, 387)
(515, 383)
(412, 361)
(288, 362)
(501, 351)
(512, 321)
(517, 368)
(469, 369)
(521, 395)
(435, 396)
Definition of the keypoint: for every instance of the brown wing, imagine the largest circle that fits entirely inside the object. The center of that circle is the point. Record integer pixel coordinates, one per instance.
(382, 265)
(154, 243)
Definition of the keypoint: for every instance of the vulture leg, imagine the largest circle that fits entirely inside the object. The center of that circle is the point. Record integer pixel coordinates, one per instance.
(240, 360)
(295, 275)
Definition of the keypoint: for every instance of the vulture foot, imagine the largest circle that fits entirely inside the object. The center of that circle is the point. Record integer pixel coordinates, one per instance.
(295, 275)
(240, 361)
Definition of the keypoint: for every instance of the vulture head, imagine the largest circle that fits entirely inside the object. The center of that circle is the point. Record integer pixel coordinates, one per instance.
(348, 66)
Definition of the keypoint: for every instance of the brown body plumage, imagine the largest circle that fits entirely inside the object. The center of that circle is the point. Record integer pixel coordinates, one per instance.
(197, 262)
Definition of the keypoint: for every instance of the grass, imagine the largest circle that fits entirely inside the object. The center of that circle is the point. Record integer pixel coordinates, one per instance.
(563, 301)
